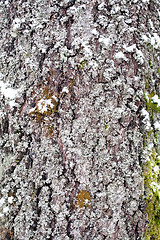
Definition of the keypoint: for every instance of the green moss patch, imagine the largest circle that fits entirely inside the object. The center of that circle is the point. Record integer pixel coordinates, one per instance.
(152, 198)
(150, 63)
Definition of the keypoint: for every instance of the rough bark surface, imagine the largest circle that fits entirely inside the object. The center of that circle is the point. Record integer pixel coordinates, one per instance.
(72, 84)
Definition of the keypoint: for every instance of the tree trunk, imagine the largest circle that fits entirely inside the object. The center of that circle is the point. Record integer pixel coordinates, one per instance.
(73, 77)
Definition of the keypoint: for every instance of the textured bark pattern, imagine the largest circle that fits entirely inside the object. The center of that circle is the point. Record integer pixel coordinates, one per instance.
(74, 173)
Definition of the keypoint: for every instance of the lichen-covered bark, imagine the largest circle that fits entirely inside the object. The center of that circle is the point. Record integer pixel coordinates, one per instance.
(73, 77)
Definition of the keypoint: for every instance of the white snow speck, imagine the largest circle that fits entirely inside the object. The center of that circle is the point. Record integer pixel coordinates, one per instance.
(87, 50)
(136, 78)
(43, 105)
(12, 103)
(5, 209)
(153, 186)
(154, 40)
(86, 201)
(146, 96)
(55, 98)
(115, 9)
(104, 41)
(95, 32)
(101, 194)
(10, 199)
(151, 23)
(156, 99)
(101, 6)
(16, 24)
(145, 38)
(158, 13)
(145, 113)
(27, 60)
(32, 109)
(2, 201)
(130, 48)
(157, 125)
(43, 50)
(120, 55)
(1, 75)
(146, 119)
(1, 215)
(8, 92)
(23, 20)
(15, 27)
(65, 90)
(157, 40)
(139, 56)
(6, 2)
(156, 169)
(128, 20)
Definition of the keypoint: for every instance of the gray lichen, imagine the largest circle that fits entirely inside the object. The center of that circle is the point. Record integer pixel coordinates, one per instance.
(85, 180)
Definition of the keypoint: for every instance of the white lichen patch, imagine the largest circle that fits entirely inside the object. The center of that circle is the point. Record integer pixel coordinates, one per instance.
(4, 205)
(64, 54)
(115, 9)
(87, 50)
(102, 20)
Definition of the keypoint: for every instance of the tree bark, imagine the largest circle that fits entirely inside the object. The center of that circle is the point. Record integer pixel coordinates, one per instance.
(73, 77)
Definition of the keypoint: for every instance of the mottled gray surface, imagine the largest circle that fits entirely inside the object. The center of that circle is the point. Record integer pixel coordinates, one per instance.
(97, 144)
